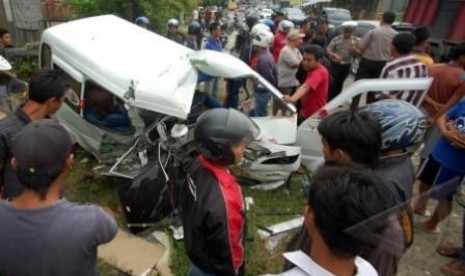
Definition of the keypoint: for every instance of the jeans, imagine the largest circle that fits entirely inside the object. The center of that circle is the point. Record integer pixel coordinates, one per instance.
(368, 69)
(211, 87)
(195, 271)
(232, 95)
(262, 97)
(339, 72)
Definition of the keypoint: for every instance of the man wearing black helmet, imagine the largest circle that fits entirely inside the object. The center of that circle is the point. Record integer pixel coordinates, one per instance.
(173, 31)
(213, 216)
(194, 36)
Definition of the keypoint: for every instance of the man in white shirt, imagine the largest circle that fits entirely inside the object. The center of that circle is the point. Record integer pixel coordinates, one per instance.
(343, 202)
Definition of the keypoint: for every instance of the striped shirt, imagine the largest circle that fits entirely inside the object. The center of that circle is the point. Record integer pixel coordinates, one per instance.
(405, 68)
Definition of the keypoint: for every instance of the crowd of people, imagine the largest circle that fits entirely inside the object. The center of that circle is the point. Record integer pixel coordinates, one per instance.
(360, 206)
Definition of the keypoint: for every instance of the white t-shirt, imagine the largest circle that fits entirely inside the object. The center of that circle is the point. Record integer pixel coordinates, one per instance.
(305, 266)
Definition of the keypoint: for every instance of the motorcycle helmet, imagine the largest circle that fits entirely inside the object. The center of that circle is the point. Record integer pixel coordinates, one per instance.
(268, 22)
(402, 124)
(218, 129)
(172, 23)
(194, 28)
(251, 20)
(263, 38)
(285, 24)
(259, 27)
(142, 21)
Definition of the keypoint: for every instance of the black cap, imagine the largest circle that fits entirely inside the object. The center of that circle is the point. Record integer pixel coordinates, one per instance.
(40, 146)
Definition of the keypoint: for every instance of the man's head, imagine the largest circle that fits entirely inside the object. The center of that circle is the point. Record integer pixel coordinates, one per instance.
(421, 35)
(222, 134)
(215, 30)
(48, 87)
(279, 17)
(142, 21)
(348, 28)
(322, 25)
(312, 54)
(285, 26)
(351, 136)
(402, 44)
(343, 201)
(5, 38)
(42, 152)
(294, 38)
(457, 54)
(172, 25)
(388, 18)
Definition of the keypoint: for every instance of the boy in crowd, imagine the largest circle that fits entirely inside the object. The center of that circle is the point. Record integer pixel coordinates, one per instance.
(47, 90)
(313, 93)
(336, 216)
(214, 218)
(404, 66)
(445, 167)
(5, 38)
(266, 68)
(213, 43)
(447, 89)
(288, 63)
(421, 48)
(48, 235)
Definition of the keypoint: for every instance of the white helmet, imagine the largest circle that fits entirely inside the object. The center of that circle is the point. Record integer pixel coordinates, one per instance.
(172, 23)
(4, 64)
(259, 27)
(263, 39)
(285, 24)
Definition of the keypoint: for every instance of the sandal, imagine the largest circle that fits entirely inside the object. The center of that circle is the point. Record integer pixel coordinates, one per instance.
(448, 250)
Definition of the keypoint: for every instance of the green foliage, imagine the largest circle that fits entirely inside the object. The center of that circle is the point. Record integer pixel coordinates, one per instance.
(25, 68)
(205, 3)
(157, 11)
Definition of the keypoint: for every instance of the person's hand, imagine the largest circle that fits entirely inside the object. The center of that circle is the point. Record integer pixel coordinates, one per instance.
(287, 99)
(430, 122)
(437, 107)
(455, 138)
(337, 58)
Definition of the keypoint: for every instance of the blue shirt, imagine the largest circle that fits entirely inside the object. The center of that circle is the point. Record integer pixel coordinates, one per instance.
(213, 44)
(447, 155)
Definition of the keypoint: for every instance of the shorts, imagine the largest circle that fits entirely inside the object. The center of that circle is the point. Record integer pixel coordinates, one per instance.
(428, 170)
(445, 181)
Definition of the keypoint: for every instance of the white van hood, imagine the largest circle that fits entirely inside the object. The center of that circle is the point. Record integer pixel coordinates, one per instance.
(147, 70)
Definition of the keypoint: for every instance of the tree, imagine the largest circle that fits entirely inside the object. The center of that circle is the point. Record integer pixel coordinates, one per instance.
(158, 11)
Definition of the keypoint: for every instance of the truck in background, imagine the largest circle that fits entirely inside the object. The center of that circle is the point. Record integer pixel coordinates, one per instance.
(446, 19)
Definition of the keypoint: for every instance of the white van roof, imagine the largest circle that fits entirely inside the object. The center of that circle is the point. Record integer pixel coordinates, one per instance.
(119, 55)
(146, 69)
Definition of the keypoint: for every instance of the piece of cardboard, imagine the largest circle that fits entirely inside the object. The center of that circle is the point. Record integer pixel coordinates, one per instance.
(131, 254)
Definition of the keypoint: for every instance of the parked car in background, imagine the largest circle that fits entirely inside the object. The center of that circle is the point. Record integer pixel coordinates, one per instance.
(294, 14)
(266, 13)
(335, 16)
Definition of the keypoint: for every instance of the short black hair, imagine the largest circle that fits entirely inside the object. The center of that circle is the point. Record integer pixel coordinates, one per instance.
(389, 17)
(319, 40)
(421, 34)
(315, 50)
(345, 198)
(457, 51)
(404, 43)
(3, 32)
(355, 132)
(214, 26)
(46, 84)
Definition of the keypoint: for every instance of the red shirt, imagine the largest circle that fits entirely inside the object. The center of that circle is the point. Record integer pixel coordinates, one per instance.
(254, 61)
(280, 40)
(317, 96)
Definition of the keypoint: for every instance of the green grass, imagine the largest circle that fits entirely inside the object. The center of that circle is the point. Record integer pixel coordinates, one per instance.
(85, 187)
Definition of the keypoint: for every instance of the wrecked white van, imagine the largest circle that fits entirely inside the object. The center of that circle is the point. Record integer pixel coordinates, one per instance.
(148, 83)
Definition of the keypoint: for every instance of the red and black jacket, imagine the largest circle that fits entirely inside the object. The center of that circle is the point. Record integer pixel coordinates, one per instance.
(214, 220)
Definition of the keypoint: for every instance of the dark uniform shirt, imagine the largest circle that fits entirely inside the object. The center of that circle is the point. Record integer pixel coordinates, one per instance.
(9, 126)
